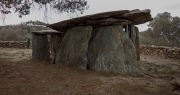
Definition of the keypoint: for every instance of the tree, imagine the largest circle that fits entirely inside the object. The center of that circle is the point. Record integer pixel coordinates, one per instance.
(20, 32)
(2, 33)
(164, 25)
(34, 23)
(23, 7)
(176, 28)
(148, 33)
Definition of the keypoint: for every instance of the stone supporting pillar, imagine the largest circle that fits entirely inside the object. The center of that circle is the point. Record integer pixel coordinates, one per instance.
(111, 50)
(73, 49)
(40, 47)
(137, 43)
(135, 39)
(55, 40)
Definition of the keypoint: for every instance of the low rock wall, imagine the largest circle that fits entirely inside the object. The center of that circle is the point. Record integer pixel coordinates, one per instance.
(13, 44)
(162, 51)
(166, 52)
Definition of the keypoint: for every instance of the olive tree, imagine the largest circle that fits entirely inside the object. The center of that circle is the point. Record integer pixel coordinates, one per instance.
(164, 25)
(23, 7)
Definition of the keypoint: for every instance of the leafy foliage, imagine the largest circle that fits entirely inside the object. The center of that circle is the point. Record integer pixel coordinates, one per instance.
(23, 7)
(164, 30)
(20, 32)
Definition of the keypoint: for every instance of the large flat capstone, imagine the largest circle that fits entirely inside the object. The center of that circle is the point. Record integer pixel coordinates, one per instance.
(135, 16)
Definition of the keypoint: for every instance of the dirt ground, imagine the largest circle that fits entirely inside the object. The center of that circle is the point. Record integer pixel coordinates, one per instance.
(20, 75)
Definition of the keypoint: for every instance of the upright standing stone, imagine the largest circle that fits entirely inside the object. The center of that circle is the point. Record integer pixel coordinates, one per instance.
(55, 39)
(111, 50)
(135, 39)
(73, 48)
(133, 33)
(40, 47)
(137, 43)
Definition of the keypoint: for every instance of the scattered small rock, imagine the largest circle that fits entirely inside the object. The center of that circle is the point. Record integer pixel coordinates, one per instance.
(173, 77)
(8, 70)
(148, 83)
(54, 72)
(159, 82)
(175, 68)
(176, 86)
(163, 76)
(176, 92)
(178, 82)
(147, 76)
(179, 71)
(5, 65)
(154, 75)
(83, 86)
(24, 66)
(173, 82)
(142, 74)
(43, 81)
(151, 85)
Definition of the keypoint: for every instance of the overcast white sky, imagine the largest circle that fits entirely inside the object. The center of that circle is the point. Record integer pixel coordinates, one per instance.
(97, 6)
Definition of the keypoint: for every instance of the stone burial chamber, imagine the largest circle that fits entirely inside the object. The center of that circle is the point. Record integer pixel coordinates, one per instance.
(106, 42)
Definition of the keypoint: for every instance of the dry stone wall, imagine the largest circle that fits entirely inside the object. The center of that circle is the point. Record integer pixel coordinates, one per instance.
(13, 44)
(166, 52)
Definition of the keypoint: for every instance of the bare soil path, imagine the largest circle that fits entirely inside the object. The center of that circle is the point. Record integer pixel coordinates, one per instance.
(20, 75)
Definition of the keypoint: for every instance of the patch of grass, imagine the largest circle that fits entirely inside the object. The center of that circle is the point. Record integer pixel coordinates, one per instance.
(168, 71)
(153, 62)
(178, 62)
(79, 93)
(145, 61)
(18, 52)
(22, 52)
(13, 54)
(97, 82)
(135, 89)
(0, 54)
(66, 85)
(119, 88)
(138, 88)
(5, 54)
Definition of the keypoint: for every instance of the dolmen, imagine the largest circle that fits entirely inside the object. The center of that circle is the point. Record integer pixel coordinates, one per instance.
(105, 42)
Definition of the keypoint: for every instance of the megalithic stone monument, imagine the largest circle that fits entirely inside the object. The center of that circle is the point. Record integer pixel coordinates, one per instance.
(106, 42)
